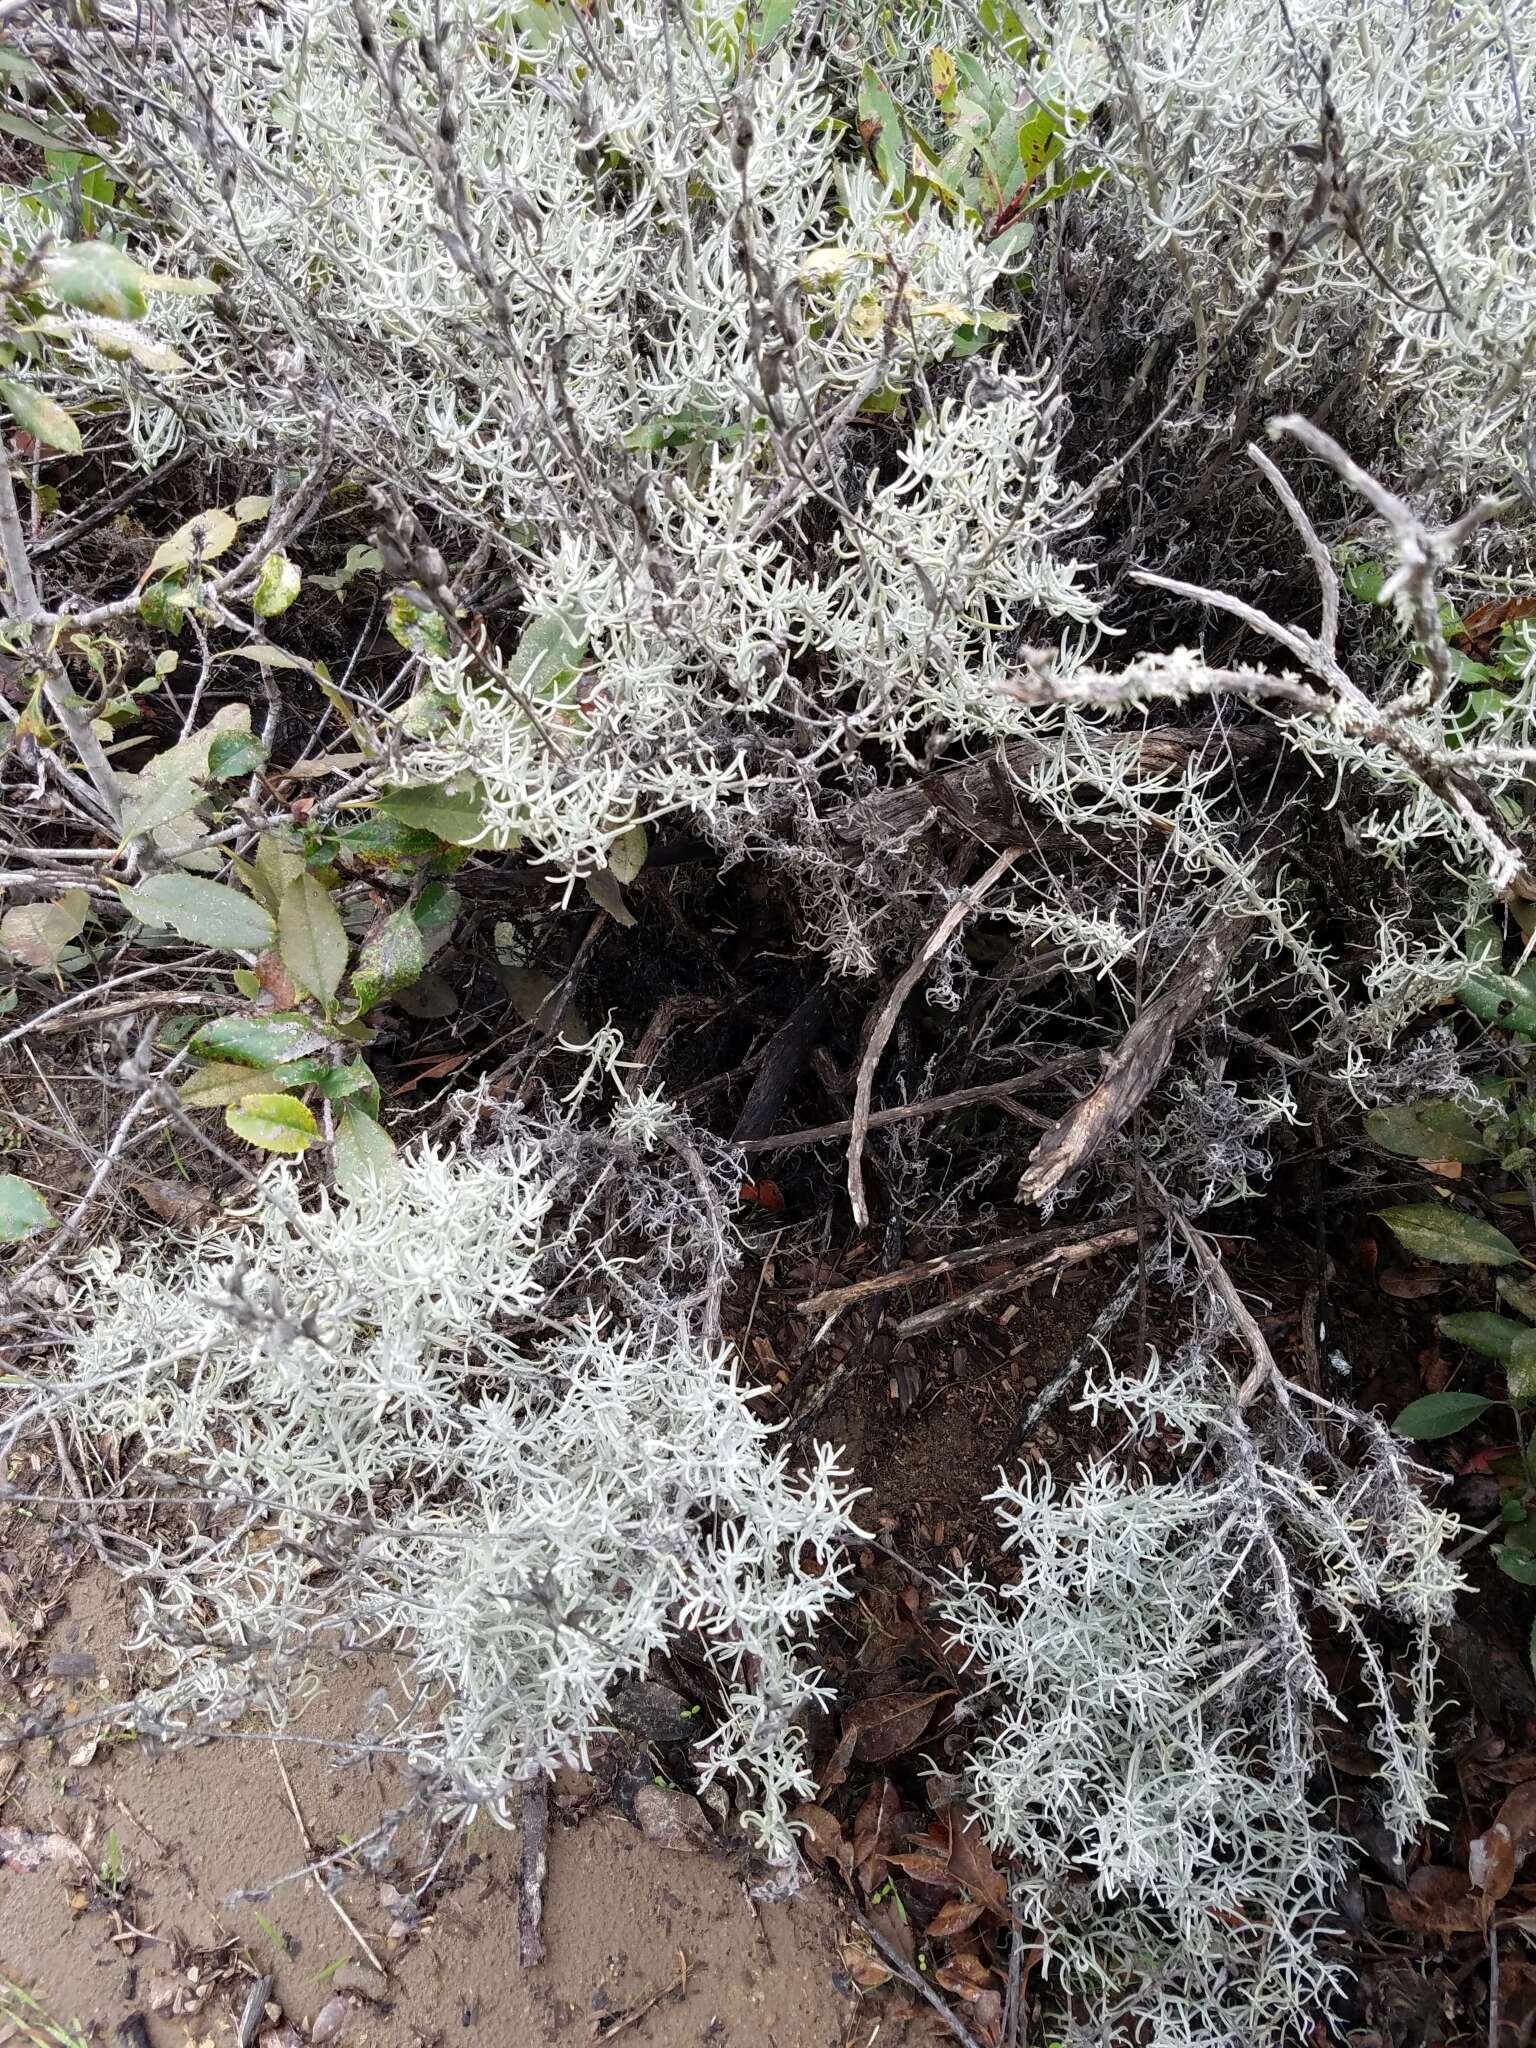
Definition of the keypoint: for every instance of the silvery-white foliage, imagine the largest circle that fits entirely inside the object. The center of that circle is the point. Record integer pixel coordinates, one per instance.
(1152, 1679)
(475, 1419)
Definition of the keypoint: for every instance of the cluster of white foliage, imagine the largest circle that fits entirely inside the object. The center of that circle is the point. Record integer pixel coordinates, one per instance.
(459, 1419)
(1403, 263)
(617, 329)
(1154, 1692)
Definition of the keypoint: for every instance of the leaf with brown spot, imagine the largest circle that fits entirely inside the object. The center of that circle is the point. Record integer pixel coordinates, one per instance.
(825, 1841)
(893, 1723)
(874, 1833)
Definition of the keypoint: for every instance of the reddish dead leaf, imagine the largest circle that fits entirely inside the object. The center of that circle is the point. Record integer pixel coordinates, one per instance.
(1484, 622)
(1491, 1864)
(825, 1841)
(874, 1833)
(966, 1976)
(1438, 1900)
(1368, 1252)
(276, 980)
(954, 1917)
(763, 1194)
(1447, 1169)
(987, 2016)
(1408, 1283)
(431, 1068)
(888, 1726)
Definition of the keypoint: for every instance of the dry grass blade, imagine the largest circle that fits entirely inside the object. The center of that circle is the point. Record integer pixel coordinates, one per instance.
(1010, 1283)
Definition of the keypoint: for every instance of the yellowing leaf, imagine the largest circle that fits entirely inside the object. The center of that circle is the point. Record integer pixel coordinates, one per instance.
(277, 1123)
(37, 933)
(40, 417)
(203, 538)
(276, 587)
(312, 938)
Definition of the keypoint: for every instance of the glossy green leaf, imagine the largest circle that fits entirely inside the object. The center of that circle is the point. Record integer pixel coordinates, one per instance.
(41, 417)
(436, 912)
(1432, 1231)
(1519, 1565)
(1437, 1415)
(1520, 1295)
(22, 1210)
(880, 130)
(312, 938)
(277, 1123)
(454, 811)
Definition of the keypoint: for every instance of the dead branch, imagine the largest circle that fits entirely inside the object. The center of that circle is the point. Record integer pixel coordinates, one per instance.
(890, 1010)
(933, 1269)
(932, 1105)
(533, 1863)
(1135, 1067)
(1012, 1283)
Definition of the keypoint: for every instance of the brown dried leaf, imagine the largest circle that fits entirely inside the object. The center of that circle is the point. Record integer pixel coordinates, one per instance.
(825, 1841)
(275, 979)
(887, 1726)
(874, 1833)
(1491, 1863)
(971, 1862)
(967, 1976)
(1438, 1900)
(868, 1970)
(954, 1917)
(1408, 1283)
(1517, 1816)
(933, 1870)
(836, 1771)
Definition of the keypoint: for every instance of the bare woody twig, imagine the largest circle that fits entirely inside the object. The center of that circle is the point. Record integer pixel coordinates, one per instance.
(915, 1979)
(933, 1269)
(1012, 1283)
(890, 1010)
(533, 1864)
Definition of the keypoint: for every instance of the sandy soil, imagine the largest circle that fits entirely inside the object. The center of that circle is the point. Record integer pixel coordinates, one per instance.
(165, 1941)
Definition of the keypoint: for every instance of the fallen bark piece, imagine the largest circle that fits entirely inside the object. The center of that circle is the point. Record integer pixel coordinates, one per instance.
(1136, 1065)
(673, 1819)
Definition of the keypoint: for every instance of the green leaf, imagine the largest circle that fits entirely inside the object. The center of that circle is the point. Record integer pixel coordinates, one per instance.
(248, 984)
(1438, 1415)
(607, 895)
(881, 131)
(200, 539)
(436, 911)
(165, 602)
(1520, 1295)
(158, 806)
(1519, 1565)
(312, 938)
(392, 959)
(41, 417)
(98, 279)
(341, 1082)
(1505, 1000)
(274, 865)
(364, 1153)
(277, 1123)
(1366, 581)
(276, 587)
(360, 561)
(1448, 1235)
(1520, 1372)
(212, 1086)
(549, 650)
(234, 754)
(207, 913)
(1427, 1130)
(37, 933)
(257, 1041)
(264, 654)
(22, 1210)
(1495, 1336)
(454, 811)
